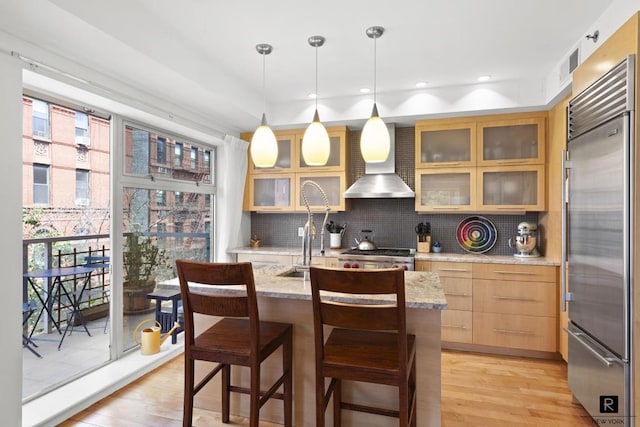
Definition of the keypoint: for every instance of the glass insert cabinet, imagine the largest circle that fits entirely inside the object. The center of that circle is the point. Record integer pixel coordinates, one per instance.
(487, 163)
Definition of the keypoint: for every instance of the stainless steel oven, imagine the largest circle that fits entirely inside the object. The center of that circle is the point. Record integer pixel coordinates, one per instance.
(377, 258)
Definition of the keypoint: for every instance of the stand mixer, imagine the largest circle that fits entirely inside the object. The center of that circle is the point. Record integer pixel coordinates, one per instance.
(525, 241)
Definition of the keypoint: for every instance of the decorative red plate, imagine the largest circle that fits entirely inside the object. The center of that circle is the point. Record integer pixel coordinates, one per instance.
(476, 234)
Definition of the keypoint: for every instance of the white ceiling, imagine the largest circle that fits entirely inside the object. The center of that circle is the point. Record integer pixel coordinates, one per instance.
(200, 54)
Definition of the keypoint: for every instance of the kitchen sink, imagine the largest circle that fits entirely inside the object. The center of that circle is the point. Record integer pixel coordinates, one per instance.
(295, 271)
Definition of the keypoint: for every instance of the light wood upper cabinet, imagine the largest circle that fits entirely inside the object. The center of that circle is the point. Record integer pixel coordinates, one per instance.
(445, 189)
(270, 192)
(287, 150)
(277, 189)
(445, 145)
(332, 183)
(337, 156)
(511, 142)
(511, 188)
(487, 164)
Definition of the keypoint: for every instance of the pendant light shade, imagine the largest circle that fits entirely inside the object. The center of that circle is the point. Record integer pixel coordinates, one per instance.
(316, 146)
(264, 146)
(375, 141)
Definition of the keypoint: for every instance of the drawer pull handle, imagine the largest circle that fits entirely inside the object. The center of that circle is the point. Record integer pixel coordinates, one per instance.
(453, 269)
(455, 326)
(514, 298)
(525, 273)
(457, 294)
(508, 331)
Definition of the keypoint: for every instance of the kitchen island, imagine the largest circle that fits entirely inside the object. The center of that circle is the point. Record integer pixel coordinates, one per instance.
(288, 299)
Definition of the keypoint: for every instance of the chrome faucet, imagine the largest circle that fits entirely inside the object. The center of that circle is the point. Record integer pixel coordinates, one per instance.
(310, 228)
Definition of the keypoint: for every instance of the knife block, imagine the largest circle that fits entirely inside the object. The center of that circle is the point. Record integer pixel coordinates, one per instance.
(424, 246)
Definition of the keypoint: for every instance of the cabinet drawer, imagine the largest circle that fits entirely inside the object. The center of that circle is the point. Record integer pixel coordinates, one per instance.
(458, 293)
(452, 269)
(508, 297)
(515, 331)
(515, 272)
(457, 326)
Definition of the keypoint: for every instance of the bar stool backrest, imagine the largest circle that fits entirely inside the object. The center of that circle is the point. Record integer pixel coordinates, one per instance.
(367, 316)
(198, 300)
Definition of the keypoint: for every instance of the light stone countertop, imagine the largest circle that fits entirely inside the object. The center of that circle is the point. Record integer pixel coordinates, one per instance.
(419, 256)
(422, 289)
(488, 259)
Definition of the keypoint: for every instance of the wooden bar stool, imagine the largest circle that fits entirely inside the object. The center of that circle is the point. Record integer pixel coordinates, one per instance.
(240, 338)
(368, 343)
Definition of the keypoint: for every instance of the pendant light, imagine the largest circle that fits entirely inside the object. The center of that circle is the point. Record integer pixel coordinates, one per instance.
(264, 146)
(374, 141)
(315, 142)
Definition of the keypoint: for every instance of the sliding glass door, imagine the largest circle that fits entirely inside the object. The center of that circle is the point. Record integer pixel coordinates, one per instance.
(167, 214)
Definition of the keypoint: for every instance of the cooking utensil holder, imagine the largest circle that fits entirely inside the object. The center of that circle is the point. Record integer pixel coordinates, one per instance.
(424, 245)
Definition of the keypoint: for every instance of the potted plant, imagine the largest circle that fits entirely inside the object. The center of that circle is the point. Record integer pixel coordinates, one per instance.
(142, 260)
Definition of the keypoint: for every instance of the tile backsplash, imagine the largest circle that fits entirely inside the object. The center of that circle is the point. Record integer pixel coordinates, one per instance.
(392, 220)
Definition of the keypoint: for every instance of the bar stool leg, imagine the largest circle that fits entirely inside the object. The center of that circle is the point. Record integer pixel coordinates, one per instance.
(287, 368)
(254, 397)
(187, 419)
(226, 384)
(337, 401)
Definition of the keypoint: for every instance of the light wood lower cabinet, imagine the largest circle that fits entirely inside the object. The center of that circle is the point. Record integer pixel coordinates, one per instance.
(457, 319)
(515, 306)
(507, 306)
(515, 331)
(457, 326)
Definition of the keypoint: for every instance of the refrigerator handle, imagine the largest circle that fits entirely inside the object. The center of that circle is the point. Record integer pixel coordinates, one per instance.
(607, 361)
(563, 242)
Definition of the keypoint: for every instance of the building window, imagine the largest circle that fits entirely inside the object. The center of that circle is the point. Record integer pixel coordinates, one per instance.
(82, 187)
(40, 184)
(161, 198)
(194, 157)
(179, 197)
(161, 150)
(41, 119)
(178, 227)
(178, 154)
(82, 129)
(161, 227)
(207, 160)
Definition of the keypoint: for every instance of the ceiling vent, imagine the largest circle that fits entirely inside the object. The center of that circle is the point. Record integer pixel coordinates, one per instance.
(569, 64)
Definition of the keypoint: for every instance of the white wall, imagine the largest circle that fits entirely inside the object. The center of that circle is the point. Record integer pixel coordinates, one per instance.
(11, 260)
(608, 23)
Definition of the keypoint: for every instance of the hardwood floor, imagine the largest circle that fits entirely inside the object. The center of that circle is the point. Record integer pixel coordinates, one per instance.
(477, 390)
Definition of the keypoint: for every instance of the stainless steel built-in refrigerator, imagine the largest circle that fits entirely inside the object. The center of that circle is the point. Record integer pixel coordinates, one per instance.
(598, 245)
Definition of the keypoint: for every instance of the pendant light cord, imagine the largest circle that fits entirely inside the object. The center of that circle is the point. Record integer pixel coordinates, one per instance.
(374, 70)
(264, 84)
(316, 78)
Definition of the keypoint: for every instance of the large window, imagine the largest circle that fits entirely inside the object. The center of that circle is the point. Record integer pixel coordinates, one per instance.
(82, 187)
(164, 219)
(40, 184)
(82, 128)
(41, 119)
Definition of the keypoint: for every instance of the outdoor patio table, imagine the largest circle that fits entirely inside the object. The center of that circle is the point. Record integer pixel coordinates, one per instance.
(57, 290)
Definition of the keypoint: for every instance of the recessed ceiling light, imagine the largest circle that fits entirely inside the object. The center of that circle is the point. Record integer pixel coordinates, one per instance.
(365, 90)
(422, 84)
(312, 96)
(484, 78)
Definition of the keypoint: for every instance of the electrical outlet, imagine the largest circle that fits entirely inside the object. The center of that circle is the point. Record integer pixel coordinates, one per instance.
(300, 231)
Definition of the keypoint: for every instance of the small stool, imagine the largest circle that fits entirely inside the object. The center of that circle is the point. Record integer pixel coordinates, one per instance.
(165, 319)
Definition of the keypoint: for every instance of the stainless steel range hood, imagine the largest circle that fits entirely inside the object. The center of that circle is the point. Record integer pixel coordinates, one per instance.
(380, 180)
